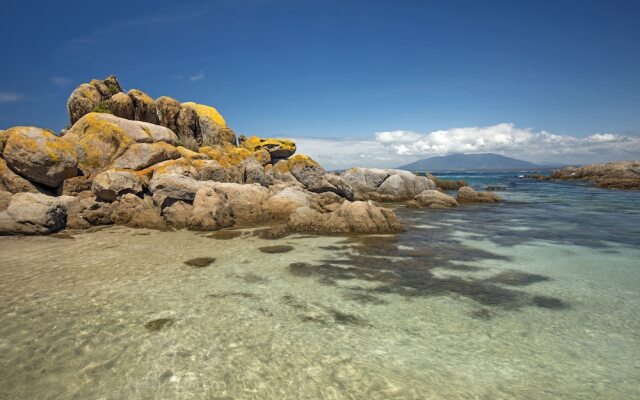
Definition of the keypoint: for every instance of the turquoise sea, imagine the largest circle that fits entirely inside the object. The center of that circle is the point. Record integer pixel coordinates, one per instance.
(537, 297)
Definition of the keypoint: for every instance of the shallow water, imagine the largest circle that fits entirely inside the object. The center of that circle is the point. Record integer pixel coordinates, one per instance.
(533, 298)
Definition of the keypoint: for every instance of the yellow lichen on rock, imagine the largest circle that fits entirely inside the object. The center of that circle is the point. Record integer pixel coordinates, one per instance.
(301, 160)
(204, 111)
(226, 156)
(277, 148)
(190, 154)
(141, 95)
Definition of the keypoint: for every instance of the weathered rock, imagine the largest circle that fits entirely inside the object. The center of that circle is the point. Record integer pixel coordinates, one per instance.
(121, 105)
(142, 155)
(134, 212)
(385, 184)
(82, 101)
(111, 184)
(12, 182)
(76, 185)
(101, 138)
(5, 199)
(277, 148)
(446, 184)
(212, 127)
(144, 108)
(614, 175)
(435, 199)
(188, 124)
(175, 186)
(40, 156)
(358, 216)
(191, 155)
(168, 110)
(245, 201)
(254, 173)
(178, 214)
(467, 194)
(34, 213)
(284, 201)
(210, 210)
(311, 175)
(232, 159)
(210, 170)
(262, 156)
(3, 139)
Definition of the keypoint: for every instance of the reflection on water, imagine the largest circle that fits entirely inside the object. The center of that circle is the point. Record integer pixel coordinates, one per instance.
(533, 298)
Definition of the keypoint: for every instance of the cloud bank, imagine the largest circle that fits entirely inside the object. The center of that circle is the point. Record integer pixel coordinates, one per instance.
(395, 148)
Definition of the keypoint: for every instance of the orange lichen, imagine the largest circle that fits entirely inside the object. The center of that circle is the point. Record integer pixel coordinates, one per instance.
(255, 143)
(227, 155)
(141, 95)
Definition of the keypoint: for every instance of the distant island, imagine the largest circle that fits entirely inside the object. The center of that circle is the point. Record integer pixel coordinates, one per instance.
(459, 162)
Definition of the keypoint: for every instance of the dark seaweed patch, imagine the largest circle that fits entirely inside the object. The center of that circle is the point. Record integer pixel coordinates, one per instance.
(276, 249)
(517, 278)
(157, 324)
(549, 302)
(225, 235)
(244, 295)
(200, 262)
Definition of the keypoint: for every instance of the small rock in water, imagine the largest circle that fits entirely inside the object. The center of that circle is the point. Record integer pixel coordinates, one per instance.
(157, 324)
(276, 249)
(200, 262)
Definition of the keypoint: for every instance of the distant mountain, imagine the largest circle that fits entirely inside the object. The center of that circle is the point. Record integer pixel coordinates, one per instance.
(460, 162)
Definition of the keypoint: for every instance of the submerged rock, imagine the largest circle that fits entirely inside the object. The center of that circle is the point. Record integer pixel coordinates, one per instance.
(434, 199)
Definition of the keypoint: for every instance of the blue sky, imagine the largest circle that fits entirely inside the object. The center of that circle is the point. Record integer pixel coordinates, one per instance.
(385, 76)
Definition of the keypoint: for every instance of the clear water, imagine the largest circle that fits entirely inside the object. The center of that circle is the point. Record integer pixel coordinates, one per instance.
(537, 297)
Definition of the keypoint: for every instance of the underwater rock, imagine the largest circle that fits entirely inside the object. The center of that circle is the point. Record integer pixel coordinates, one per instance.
(434, 199)
(200, 262)
(467, 194)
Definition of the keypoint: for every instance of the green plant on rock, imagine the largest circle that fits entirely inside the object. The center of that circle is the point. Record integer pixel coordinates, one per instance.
(102, 107)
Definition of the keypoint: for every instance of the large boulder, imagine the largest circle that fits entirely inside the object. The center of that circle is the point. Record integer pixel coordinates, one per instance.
(386, 184)
(245, 201)
(210, 210)
(34, 213)
(434, 199)
(358, 216)
(82, 101)
(121, 105)
(285, 200)
(12, 182)
(40, 156)
(212, 127)
(175, 186)
(142, 155)
(168, 110)
(310, 175)
(135, 212)
(111, 184)
(277, 148)
(467, 194)
(144, 108)
(177, 214)
(100, 138)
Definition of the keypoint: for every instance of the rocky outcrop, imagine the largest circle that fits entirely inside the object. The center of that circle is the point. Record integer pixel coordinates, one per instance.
(39, 156)
(614, 175)
(34, 213)
(433, 199)
(277, 148)
(144, 108)
(467, 194)
(120, 105)
(446, 184)
(385, 184)
(89, 96)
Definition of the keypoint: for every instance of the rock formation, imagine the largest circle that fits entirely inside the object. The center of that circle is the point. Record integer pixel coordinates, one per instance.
(613, 175)
(131, 160)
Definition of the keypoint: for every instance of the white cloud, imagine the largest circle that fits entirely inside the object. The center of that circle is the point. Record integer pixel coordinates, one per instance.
(7, 97)
(197, 77)
(61, 81)
(395, 148)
